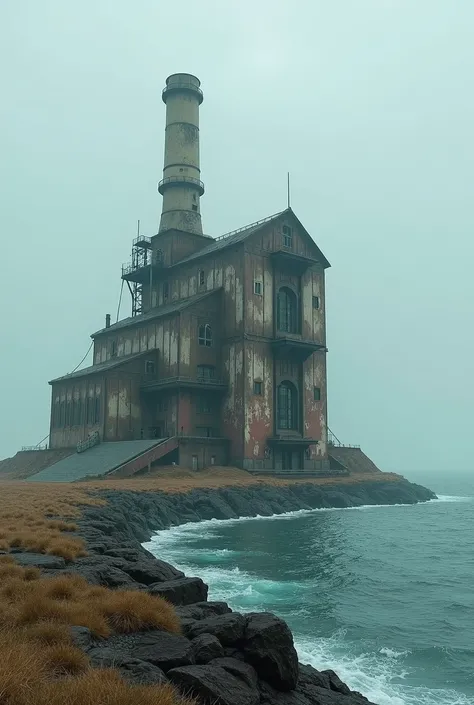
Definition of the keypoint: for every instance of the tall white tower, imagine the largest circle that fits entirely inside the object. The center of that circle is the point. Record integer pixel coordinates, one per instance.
(181, 186)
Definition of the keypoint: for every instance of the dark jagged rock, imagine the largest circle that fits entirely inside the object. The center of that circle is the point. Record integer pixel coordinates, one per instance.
(148, 571)
(131, 669)
(268, 646)
(224, 657)
(182, 591)
(206, 648)
(40, 560)
(202, 610)
(215, 685)
(228, 628)
(160, 648)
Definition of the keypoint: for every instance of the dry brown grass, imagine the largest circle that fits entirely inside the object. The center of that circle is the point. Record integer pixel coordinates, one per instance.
(39, 664)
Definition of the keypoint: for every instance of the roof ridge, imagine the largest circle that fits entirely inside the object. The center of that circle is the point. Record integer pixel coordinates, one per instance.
(251, 225)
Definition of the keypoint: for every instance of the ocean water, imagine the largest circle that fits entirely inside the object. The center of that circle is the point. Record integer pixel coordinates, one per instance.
(383, 595)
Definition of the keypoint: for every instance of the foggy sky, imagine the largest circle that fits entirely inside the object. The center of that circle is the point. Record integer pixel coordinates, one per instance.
(368, 103)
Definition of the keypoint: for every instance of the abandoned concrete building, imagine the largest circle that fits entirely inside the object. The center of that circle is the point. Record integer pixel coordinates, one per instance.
(223, 360)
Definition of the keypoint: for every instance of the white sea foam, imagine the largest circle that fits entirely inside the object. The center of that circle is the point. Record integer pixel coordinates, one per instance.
(381, 674)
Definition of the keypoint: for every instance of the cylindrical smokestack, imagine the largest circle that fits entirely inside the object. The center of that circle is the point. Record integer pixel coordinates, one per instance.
(107, 320)
(181, 186)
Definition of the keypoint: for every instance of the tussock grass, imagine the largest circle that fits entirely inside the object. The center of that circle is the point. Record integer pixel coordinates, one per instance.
(39, 663)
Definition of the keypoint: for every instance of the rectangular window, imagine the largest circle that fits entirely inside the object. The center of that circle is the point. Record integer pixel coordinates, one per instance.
(113, 348)
(287, 237)
(205, 372)
(149, 367)
(201, 277)
(166, 291)
(204, 405)
(317, 393)
(213, 459)
(97, 410)
(257, 387)
(257, 288)
(315, 301)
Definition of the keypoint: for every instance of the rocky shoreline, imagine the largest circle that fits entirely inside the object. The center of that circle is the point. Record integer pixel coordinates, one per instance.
(222, 657)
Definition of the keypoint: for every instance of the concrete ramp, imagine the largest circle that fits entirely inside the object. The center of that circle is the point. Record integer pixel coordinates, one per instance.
(107, 458)
(351, 459)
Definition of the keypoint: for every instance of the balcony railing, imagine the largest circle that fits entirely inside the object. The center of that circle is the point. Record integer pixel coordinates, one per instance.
(177, 180)
(185, 381)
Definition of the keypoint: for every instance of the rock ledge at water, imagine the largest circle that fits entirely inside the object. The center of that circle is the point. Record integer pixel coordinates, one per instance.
(222, 657)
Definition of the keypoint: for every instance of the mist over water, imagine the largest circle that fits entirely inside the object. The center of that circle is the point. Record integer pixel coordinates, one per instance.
(380, 594)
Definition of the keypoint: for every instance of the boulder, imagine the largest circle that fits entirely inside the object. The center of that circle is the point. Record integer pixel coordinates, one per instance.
(335, 682)
(202, 610)
(148, 571)
(40, 560)
(182, 591)
(228, 628)
(238, 668)
(206, 648)
(160, 648)
(268, 646)
(215, 684)
(130, 668)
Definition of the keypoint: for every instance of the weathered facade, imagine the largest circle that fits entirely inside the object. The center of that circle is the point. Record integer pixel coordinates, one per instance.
(226, 347)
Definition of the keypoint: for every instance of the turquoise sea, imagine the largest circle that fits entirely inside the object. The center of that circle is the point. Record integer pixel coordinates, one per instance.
(383, 595)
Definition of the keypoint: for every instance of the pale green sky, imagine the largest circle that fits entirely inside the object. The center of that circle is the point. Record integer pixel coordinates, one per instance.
(367, 102)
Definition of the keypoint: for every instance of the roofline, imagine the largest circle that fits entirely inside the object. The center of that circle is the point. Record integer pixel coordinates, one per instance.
(137, 320)
(119, 361)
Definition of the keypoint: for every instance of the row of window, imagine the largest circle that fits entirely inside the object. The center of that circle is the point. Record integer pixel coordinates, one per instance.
(76, 412)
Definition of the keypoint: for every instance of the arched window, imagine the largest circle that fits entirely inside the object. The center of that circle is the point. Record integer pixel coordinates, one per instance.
(287, 406)
(287, 311)
(205, 335)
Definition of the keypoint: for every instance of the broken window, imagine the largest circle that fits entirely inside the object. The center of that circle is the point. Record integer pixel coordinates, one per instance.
(257, 288)
(287, 310)
(205, 335)
(317, 393)
(205, 372)
(201, 277)
(315, 301)
(287, 237)
(287, 406)
(257, 387)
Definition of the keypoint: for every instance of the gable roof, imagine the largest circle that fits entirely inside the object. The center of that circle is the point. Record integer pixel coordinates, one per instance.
(242, 234)
(155, 313)
(100, 367)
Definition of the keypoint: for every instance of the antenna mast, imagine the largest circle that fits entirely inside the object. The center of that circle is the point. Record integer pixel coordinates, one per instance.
(288, 189)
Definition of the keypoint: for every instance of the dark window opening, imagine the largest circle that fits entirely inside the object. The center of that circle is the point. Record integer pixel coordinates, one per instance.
(257, 387)
(287, 460)
(317, 393)
(194, 207)
(287, 237)
(287, 406)
(113, 348)
(257, 288)
(205, 335)
(201, 277)
(97, 410)
(287, 311)
(166, 291)
(206, 372)
(315, 301)
(204, 405)
(149, 367)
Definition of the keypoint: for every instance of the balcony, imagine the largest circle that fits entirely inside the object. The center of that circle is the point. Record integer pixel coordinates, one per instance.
(138, 270)
(282, 440)
(184, 382)
(171, 181)
(288, 346)
(287, 259)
